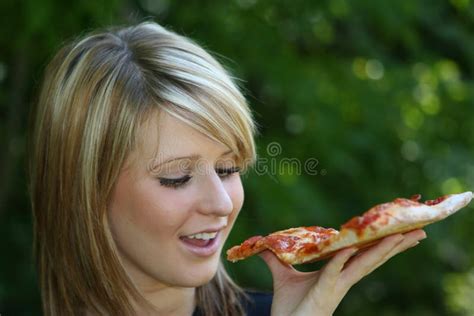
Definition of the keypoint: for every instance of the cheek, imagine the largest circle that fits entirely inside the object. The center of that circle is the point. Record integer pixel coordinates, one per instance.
(146, 209)
(236, 193)
(161, 208)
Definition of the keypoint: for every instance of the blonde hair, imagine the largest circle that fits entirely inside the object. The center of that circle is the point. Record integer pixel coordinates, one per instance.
(96, 94)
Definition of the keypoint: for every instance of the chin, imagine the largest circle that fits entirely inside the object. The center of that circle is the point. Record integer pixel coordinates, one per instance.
(200, 274)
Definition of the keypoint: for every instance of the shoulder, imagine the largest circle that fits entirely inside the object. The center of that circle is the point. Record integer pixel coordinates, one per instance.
(258, 303)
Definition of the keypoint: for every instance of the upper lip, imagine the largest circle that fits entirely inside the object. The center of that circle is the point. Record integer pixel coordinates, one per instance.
(207, 230)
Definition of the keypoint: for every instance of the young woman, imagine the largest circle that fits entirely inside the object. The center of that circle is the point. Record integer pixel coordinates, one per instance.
(138, 141)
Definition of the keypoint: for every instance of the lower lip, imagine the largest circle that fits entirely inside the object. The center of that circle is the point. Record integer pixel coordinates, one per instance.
(205, 251)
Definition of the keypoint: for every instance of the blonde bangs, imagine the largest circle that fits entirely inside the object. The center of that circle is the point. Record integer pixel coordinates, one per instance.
(217, 120)
(188, 83)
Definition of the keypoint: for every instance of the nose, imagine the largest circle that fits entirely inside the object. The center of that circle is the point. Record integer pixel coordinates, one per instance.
(215, 199)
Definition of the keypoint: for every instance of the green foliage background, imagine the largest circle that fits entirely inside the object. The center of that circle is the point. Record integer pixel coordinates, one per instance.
(379, 93)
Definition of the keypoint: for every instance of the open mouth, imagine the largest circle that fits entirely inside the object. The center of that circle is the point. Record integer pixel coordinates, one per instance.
(202, 244)
(201, 239)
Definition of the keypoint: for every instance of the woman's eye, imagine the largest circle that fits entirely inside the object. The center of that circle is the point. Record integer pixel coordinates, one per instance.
(175, 183)
(225, 172)
(180, 182)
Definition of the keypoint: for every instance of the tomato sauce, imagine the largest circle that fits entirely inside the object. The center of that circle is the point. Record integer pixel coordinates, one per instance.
(281, 243)
(436, 201)
(359, 223)
(250, 243)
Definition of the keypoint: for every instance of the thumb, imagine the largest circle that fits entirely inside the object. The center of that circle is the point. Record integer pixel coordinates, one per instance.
(278, 268)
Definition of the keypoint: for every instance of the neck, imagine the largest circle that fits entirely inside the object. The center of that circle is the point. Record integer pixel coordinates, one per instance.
(174, 301)
(160, 298)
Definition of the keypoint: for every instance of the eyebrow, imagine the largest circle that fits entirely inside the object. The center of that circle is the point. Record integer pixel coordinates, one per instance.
(191, 157)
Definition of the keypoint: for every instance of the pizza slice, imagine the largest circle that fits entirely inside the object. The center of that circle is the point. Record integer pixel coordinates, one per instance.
(313, 243)
(286, 244)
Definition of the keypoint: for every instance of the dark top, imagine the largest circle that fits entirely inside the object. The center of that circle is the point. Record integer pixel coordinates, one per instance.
(260, 304)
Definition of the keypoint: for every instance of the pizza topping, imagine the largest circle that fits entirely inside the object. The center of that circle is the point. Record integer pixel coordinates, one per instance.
(406, 202)
(321, 233)
(417, 198)
(436, 201)
(359, 223)
(247, 248)
(321, 230)
(250, 243)
(312, 248)
(299, 241)
(309, 248)
(281, 243)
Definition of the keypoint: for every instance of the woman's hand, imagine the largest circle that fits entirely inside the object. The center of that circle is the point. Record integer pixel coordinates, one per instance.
(320, 292)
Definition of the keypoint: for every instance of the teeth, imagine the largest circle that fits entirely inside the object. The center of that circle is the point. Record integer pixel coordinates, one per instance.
(204, 236)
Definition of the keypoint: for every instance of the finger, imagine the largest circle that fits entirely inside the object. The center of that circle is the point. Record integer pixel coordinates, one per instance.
(277, 267)
(397, 239)
(362, 264)
(411, 239)
(330, 272)
(398, 249)
(417, 234)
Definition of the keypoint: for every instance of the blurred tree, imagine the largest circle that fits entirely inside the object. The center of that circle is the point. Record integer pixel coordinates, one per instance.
(459, 289)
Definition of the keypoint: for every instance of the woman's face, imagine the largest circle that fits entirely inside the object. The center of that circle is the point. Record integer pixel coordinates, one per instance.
(157, 216)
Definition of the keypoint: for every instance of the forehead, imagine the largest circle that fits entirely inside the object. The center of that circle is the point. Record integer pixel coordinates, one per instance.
(167, 137)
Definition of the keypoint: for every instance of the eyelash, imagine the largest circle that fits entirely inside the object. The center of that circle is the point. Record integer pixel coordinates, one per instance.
(180, 182)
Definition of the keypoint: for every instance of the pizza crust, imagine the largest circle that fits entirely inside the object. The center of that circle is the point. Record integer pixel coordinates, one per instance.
(308, 244)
